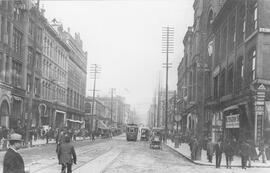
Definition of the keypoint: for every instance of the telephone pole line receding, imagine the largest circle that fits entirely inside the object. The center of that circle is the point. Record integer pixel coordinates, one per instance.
(94, 69)
(167, 48)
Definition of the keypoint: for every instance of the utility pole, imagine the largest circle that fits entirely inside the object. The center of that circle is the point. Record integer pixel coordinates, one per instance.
(167, 48)
(94, 69)
(112, 89)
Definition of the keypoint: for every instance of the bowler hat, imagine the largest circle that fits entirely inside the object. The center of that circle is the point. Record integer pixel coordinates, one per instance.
(15, 137)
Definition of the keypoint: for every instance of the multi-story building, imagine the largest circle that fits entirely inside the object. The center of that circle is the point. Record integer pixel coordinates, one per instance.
(54, 66)
(233, 57)
(100, 117)
(76, 80)
(240, 68)
(35, 63)
(20, 56)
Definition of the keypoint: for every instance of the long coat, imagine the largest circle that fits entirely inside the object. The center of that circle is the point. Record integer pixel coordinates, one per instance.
(13, 162)
(67, 153)
(218, 149)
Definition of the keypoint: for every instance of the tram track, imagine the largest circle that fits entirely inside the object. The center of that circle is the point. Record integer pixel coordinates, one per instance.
(97, 152)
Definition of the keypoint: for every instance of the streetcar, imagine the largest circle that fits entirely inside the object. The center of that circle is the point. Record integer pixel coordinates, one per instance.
(132, 132)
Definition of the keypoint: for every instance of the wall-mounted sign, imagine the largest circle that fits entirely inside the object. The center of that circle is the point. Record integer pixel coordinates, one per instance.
(232, 121)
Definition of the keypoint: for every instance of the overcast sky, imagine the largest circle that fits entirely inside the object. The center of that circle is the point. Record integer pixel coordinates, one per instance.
(124, 38)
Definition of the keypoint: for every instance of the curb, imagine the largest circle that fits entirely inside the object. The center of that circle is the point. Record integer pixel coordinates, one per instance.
(205, 164)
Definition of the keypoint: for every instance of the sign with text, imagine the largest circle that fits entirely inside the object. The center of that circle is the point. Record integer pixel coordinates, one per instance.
(232, 121)
(259, 127)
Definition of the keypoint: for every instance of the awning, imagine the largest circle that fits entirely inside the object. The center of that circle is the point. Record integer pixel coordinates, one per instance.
(231, 108)
(101, 125)
(75, 121)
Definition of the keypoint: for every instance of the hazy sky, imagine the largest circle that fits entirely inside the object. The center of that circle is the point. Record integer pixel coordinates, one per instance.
(124, 38)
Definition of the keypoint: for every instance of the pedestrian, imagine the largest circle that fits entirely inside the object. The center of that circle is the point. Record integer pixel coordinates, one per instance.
(262, 150)
(210, 150)
(67, 155)
(218, 152)
(228, 150)
(244, 153)
(13, 161)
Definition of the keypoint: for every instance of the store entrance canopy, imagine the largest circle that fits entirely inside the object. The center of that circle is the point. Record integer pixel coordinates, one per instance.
(101, 125)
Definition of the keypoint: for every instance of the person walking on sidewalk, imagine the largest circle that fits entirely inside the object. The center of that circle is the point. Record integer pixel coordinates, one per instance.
(218, 152)
(228, 150)
(210, 150)
(67, 155)
(262, 150)
(13, 161)
(244, 153)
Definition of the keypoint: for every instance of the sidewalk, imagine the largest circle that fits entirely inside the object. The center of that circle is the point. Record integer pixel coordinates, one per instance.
(41, 142)
(185, 152)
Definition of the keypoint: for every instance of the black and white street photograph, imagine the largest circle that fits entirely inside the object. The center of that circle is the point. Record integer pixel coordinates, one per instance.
(134, 86)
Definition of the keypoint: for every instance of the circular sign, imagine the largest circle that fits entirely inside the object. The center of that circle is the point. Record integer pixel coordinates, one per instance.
(177, 117)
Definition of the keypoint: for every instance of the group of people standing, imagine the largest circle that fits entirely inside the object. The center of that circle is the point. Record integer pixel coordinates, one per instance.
(231, 148)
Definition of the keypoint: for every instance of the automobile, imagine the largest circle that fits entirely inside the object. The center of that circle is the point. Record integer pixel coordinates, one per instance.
(145, 134)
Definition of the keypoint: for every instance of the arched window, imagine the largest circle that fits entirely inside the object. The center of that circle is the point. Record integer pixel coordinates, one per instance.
(210, 21)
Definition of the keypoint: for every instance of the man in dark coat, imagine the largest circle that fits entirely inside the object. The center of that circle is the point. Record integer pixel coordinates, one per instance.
(67, 155)
(244, 153)
(228, 150)
(13, 162)
(218, 152)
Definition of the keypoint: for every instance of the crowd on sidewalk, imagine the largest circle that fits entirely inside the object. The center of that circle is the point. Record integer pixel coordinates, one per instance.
(231, 150)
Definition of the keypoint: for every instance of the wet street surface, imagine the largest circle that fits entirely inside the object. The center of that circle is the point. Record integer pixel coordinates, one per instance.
(117, 155)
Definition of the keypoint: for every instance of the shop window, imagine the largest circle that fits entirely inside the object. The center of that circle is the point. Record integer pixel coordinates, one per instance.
(222, 83)
(230, 79)
(240, 22)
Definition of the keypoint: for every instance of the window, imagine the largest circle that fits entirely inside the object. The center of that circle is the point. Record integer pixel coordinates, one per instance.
(210, 21)
(30, 56)
(251, 17)
(190, 87)
(38, 60)
(230, 79)
(223, 44)
(39, 35)
(31, 28)
(1, 67)
(217, 48)
(17, 41)
(7, 73)
(240, 74)
(28, 83)
(216, 87)
(240, 22)
(17, 74)
(232, 33)
(222, 83)
(37, 86)
(252, 65)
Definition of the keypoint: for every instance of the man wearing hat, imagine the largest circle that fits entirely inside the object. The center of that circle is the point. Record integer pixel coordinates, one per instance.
(13, 161)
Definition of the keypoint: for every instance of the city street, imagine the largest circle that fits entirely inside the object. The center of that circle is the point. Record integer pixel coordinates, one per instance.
(116, 155)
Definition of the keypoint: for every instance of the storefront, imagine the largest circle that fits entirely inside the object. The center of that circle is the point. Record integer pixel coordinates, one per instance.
(217, 118)
(237, 123)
